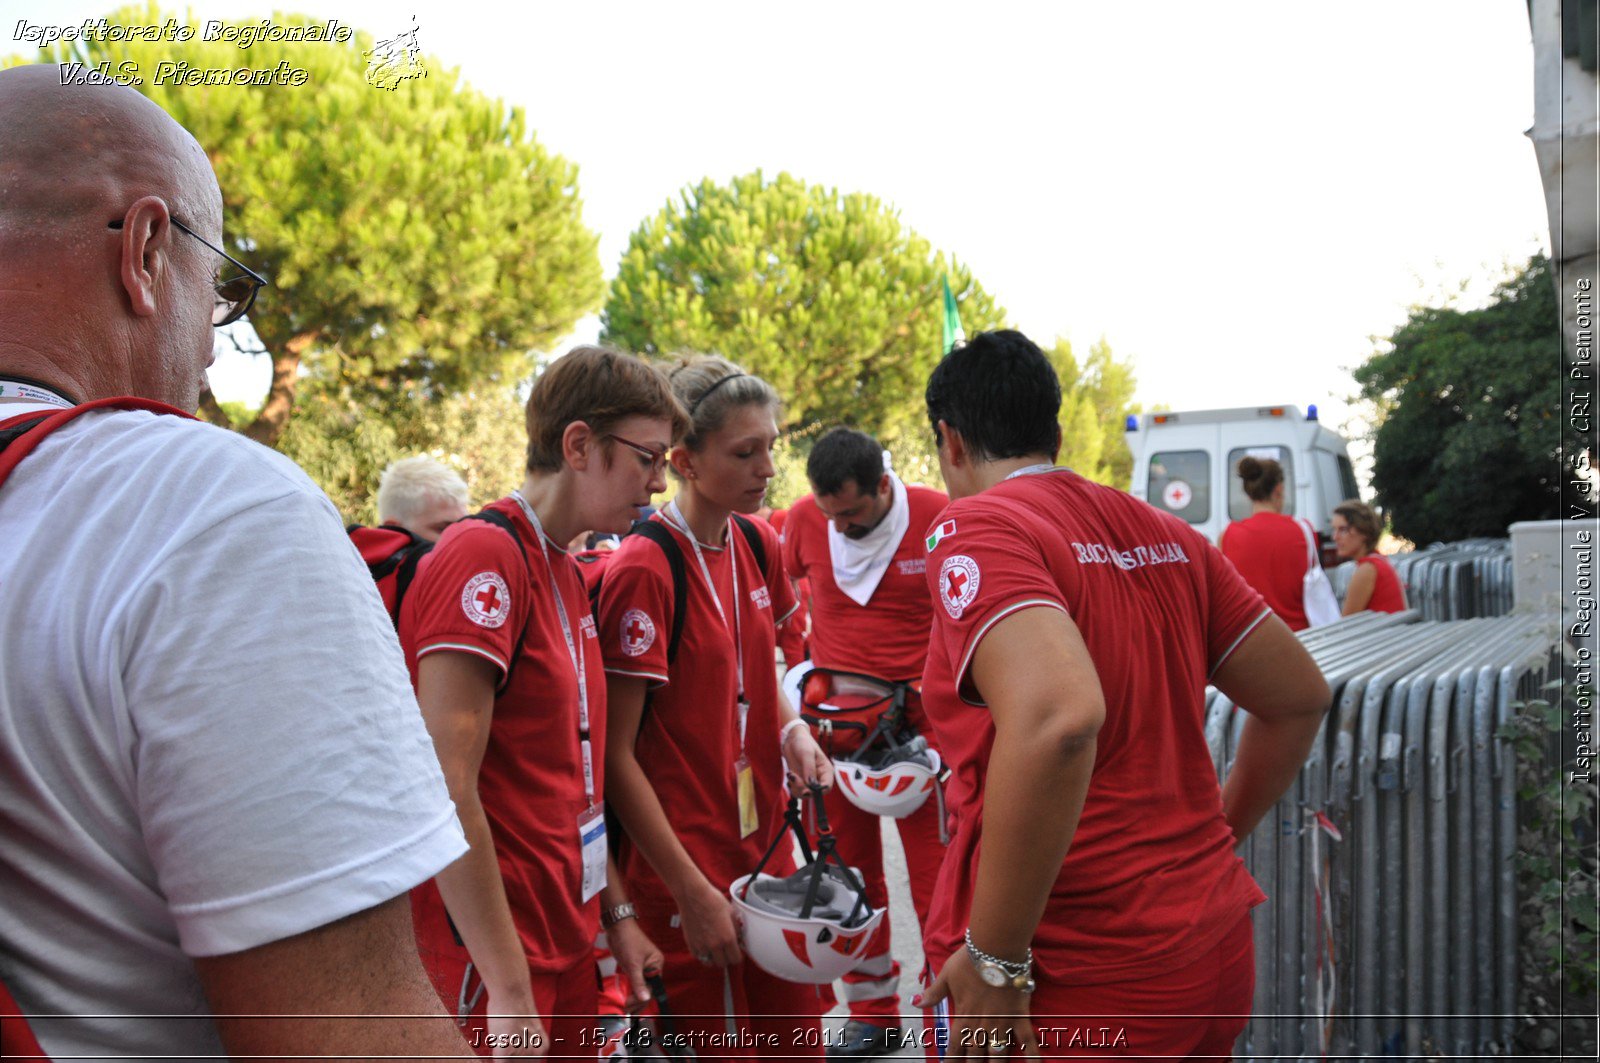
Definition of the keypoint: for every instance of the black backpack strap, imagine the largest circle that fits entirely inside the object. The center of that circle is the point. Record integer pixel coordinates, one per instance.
(658, 534)
(405, 555)
(500, 520)
(752, 535)
(11, 434)
(406, 561)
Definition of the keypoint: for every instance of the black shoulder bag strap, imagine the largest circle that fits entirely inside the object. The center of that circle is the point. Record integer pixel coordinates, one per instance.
(752, 535)
(658, 534)
(9, 435)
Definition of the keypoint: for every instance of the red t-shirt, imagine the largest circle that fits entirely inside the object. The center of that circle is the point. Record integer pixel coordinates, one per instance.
(1270, 552)
(472, 594)
(1151, 881)
(688, 739)
(887, 637)
(1387, 595)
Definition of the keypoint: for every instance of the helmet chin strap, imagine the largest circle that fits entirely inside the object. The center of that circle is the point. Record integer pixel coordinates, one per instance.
(826, 851)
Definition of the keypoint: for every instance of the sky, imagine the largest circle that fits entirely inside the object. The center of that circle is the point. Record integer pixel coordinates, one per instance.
(1240, 198)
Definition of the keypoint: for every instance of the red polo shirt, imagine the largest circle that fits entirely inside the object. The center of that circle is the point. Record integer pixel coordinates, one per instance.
(1271, 553)
(1151, 881)
(473, 594)
(689, 739)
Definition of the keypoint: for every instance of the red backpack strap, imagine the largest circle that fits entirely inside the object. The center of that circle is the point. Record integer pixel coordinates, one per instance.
(15, 1034)
(36, 427)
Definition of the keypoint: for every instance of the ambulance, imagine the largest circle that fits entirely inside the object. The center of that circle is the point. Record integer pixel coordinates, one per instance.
(1186, 462)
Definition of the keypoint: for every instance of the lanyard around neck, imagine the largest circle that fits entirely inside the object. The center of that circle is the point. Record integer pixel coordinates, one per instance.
(575, 651)
(675, 517)
(1034, 470)
(17, 390)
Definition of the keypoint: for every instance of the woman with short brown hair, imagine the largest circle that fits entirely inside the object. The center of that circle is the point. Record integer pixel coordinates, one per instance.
(501, 645)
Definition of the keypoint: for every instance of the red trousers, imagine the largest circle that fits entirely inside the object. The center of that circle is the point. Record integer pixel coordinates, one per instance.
(871, 989)
(567, 1001)
(709, 1004)
(1195, 1012)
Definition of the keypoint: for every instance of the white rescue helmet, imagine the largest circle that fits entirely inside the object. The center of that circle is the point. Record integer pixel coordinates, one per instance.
(894, 786)
(813, 949)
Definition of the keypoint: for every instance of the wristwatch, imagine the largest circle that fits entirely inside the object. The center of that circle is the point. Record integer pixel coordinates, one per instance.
(610, 917)
(1001, 973)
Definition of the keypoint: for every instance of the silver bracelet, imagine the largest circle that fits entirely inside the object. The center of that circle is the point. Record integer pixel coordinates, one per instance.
(1012, 967)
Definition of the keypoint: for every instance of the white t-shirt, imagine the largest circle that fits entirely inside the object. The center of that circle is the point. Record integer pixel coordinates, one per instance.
(207, 737)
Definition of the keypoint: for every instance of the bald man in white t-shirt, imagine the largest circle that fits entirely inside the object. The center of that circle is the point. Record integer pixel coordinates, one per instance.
(215, 785)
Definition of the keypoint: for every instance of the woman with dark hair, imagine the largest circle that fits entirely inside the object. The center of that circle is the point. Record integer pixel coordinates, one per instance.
(700, 741)
(1092, 871)
(502, 649)
(1271, 551)
(1374, 586)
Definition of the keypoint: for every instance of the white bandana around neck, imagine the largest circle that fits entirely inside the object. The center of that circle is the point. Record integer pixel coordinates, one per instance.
(19, 397)
(859, 564)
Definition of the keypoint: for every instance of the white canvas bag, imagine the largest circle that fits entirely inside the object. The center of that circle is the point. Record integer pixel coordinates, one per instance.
(1317, 596)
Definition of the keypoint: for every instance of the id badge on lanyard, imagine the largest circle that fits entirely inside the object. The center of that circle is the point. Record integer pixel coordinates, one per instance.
(592, 842)
(745, 776)
(592, 821)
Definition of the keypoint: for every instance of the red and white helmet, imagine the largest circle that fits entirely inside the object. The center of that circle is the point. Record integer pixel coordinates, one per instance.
(895, 785)
(893, 771)
(814, 945)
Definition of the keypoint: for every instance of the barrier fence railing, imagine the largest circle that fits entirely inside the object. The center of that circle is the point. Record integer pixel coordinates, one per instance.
(1391, 920)
(1449, 581)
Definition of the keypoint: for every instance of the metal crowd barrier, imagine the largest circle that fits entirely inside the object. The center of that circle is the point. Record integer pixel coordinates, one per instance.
(1449, 581)
(1391, 920)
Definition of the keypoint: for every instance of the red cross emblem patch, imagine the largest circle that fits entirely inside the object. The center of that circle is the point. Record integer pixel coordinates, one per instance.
(958, 584)
(638, 632)
(486, 599)
(1177, 495)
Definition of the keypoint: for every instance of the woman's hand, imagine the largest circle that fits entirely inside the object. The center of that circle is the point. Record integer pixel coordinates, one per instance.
(804, 759)
(637, 958)
(986, 1022)
(709, 927)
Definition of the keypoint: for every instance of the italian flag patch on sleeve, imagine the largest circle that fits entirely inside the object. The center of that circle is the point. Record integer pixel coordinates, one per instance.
(943, 531)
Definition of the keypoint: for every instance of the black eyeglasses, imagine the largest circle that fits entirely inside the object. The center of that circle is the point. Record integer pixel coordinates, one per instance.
(235, 295)
(658, 458)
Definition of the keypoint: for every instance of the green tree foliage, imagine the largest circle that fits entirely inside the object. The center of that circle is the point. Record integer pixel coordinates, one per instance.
(828, 297)
(1468, 407)
(1096, 398)
(345, 441)
(416, 239)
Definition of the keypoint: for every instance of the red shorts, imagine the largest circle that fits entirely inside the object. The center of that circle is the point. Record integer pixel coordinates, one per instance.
(1195, 1012)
